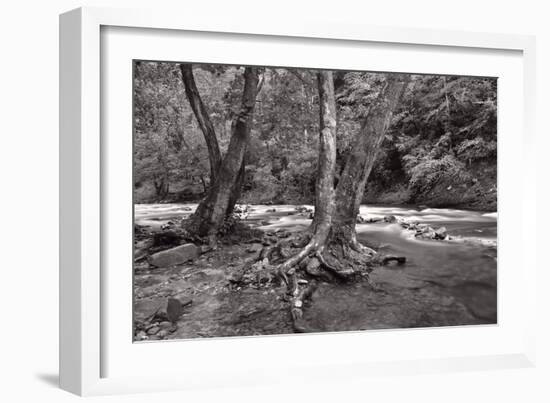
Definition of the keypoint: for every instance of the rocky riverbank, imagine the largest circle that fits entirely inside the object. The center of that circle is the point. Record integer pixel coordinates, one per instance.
(184, 290)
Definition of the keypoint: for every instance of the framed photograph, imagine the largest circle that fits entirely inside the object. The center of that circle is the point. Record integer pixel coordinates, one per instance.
(243, 203)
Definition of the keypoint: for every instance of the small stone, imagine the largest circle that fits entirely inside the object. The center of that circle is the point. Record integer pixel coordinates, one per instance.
(141, 335)
(298, 303)
(313, 266)
(165, 325)
(390, 219)
(254, 248)
(162, 333)
(302, 281)
(174, 309)
(152, 331)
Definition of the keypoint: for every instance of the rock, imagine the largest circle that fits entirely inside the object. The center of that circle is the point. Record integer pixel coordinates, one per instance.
(298, 303)
(311, 215)
(390, 219)
(360, 219)
(271, 210)
(281, 233)
(440, 233)
(254, 248)
(174, 308)
(391, 258)
(165, 325)
(264, 222)
(302, 281)
(141, 335)
(303, 209)
(313, 267)
(152, 331)
(162, 333)
(174, 256)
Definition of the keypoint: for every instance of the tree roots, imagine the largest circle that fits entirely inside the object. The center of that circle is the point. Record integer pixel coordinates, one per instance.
(302, 260)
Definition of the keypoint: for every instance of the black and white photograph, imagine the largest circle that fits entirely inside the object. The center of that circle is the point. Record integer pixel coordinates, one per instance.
(274, 200)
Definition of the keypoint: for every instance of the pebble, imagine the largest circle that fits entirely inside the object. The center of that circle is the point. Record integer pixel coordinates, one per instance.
(165, 325)
(154, 330)
(162, 333)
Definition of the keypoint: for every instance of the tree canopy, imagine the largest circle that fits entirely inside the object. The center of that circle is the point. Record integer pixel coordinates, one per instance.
(440, 148)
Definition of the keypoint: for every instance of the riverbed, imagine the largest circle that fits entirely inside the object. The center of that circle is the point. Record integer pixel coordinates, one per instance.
(442, 283)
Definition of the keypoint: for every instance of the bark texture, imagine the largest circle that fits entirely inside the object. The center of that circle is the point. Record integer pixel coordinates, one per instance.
(221, 196)
(362, 156)
(324, 190)
(203, 119)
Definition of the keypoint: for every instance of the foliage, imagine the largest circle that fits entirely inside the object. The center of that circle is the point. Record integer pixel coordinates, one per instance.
(443, 134)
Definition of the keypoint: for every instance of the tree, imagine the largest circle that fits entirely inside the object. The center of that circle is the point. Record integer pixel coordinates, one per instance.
(362, 156)
(221, 197)
(203, 118)
(331, 243)
(324, 190)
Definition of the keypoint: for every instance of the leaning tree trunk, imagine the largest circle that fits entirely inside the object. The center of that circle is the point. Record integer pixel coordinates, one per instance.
(362, 156)
(236, 193)
(211, 212)
(203, 119)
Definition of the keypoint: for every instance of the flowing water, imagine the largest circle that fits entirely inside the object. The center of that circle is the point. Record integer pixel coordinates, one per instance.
(442, 283)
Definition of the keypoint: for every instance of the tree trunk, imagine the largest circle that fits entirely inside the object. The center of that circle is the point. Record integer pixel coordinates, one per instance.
(236, 193)
(362, 156)
(203, 119)
(220, 200)
(324, 188)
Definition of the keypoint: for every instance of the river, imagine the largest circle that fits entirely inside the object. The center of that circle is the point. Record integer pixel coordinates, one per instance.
(442, 283)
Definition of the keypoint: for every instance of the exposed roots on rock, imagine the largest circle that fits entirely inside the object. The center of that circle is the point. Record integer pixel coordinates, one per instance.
(302, 260)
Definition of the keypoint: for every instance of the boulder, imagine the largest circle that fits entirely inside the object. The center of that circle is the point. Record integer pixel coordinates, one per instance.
(390, 219)
(440, 233)
(179, 254)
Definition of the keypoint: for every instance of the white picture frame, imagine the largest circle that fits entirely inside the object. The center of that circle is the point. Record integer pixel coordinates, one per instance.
(83, 337)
